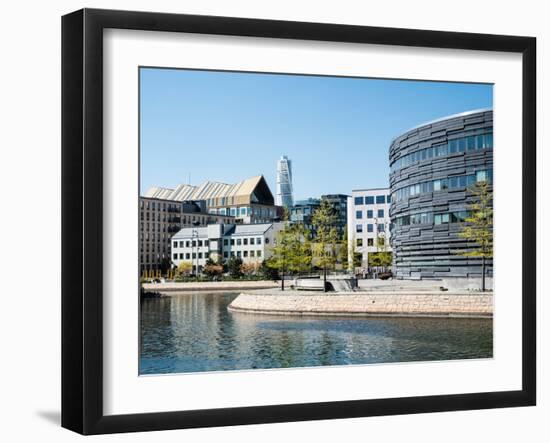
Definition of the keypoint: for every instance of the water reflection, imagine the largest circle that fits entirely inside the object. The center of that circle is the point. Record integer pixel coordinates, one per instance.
(195, 332)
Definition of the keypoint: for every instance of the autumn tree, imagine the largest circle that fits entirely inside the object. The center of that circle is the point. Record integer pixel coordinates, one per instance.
(184, 269)
(478, 226)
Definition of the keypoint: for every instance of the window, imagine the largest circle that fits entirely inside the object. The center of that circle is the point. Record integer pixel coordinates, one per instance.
(252, 241)
(206, 243)
(359, 242)
(232, 242)
(176, 244)
(194, 243)
(358, 200)
(259, 240)
(258, 253)
(358, 214)
(239, 241)
(187, 243)
(200, 254)
(245, 253)
(175, 256)
(225, 254)
(181, 256)
(358, 228)
(369, 213)
(388, 198)
(225, 242)
(369, 200)
(187, 256)
(380, 213)
(194, 255)
(245, 241)
(380, 199)
(238, 253)
(251, 253)
(370, 242)
(381, 227)
(266, 241)
(370, 228)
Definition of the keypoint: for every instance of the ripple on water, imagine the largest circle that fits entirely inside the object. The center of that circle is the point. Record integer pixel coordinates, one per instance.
(195, 333)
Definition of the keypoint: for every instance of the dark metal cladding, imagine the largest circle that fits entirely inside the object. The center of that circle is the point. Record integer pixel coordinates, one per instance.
(425, 249)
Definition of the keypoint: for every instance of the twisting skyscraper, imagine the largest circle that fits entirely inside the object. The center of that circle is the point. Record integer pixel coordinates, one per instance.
(284, 182)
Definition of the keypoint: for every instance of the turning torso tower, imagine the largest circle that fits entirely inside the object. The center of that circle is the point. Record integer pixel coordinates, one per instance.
(284, 182)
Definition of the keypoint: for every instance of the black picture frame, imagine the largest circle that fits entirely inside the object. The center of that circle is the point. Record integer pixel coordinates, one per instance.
(82, 215)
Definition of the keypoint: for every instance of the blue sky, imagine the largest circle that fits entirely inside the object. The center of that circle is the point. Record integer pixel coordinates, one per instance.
(225, 126)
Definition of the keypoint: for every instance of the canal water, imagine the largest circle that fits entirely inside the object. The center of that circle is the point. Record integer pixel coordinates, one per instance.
(195, 333)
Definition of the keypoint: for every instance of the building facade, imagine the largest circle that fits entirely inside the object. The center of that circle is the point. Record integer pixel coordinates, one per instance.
(248, 201)
(285, 196)
(160, 220)
(302, 212)
(339, 203)
(368, 220)
(431, 168)
(252, 243)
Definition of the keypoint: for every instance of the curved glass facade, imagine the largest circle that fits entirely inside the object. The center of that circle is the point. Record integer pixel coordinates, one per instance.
(432, 167)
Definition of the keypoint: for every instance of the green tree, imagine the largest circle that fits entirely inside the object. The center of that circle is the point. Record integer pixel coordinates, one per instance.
(291, 252)
(234, 267)
(324, 248)
(268, 272)
(478, 226)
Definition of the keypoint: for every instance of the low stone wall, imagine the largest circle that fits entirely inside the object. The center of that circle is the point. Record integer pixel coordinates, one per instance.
(439, 304)
(208, 286)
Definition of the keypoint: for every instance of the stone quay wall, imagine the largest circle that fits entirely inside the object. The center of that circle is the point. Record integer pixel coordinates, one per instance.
(440, 304)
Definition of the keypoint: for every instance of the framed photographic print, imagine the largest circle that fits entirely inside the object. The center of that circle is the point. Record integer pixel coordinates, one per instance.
(268, 221)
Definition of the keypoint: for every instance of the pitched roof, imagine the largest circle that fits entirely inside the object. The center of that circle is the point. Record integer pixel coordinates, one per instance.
(242, 192)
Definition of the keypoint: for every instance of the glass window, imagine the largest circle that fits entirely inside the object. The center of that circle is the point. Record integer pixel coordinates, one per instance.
(187, 255)
(359, 242)
(479, 141)
(388, 198)
(358, 228)
(358, 214)
(258, 253)
(175, 244)
(370, 228)
(381, 227)
(369, 200)
(252, 241)
(481, 176)
(251, 253)
(380, 199)
(225, 254)
(232, 242)
(200, 254)
(239, 241)
(470, 143)
(175, 257)
(380, 213)
(369, 213)
(370, 242)
(259, 240)
(225, 241)
(245, 254)
(488, 141)
(358, 200)
(245, 241)
(238, 253)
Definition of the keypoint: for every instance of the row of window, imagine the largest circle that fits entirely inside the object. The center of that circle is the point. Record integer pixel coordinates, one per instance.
(370, 214)
(205, 255)
(226, 242)
(430, 217)
(459, 181)
(370, 242)
(369, 200)
(381, 227)
(464, 144)
(245, 211)
(162, 206)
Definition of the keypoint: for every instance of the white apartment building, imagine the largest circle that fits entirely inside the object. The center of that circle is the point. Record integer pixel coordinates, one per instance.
(368, 218)
(251, 242)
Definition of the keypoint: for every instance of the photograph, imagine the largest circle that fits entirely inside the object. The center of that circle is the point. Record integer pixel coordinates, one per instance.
(295, 221)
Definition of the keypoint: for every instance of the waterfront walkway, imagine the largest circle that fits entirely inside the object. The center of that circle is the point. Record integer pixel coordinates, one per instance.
(208, 286)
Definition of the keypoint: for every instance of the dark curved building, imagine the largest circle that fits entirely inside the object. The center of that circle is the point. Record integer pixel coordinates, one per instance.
(431, 167)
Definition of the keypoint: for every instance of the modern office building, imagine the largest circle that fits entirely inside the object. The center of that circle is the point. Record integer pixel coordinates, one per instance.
(251, 242)
(368, 219)
(284, 182)
(302, 212)
(249, 201)
(339, 203)
(159, 220)
(432, 167)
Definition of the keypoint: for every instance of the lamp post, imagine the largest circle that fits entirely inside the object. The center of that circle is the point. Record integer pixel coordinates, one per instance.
(195, 239)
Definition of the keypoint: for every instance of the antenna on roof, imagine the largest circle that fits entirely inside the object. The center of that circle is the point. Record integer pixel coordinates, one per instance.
(189, 179)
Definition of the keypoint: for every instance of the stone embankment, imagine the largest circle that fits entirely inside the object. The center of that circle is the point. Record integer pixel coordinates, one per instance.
(208, 286)
(383, 303)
